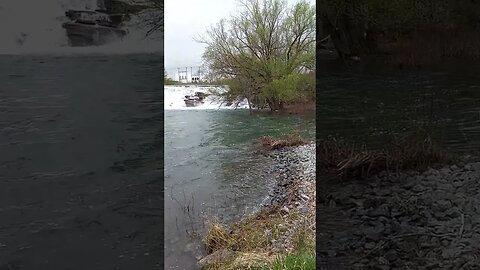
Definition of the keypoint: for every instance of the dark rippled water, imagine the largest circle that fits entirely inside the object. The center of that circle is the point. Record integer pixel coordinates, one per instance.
(80, 149)
(211, 164)
(370, 107)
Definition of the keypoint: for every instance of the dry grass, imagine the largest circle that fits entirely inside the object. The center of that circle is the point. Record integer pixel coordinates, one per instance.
(271, 143)
(247, 235)
(249, 243)
(415, 151)
(217, 237)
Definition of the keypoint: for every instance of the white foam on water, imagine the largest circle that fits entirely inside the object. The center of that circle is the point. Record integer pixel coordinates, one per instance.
(174, 98)
(35, 27)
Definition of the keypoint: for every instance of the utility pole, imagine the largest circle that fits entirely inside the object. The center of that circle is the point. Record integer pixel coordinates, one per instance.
(180, 73)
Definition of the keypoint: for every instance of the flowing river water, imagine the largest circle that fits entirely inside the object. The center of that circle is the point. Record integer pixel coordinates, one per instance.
(370, 107)
(213, 169)
(81, 139)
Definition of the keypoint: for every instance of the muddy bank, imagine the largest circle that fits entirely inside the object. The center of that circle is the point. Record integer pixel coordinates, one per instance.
(408, 220)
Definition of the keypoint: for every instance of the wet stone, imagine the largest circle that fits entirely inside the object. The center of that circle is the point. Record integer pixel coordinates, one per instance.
(418, 188)
(442, 205)
(453, 212)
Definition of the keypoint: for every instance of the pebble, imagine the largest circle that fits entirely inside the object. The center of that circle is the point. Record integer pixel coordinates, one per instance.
(303, 210)
(285, 210)
(408, 203)
(305, 197)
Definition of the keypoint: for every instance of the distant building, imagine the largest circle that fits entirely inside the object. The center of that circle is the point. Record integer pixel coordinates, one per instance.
(189, 76)
(195, 79)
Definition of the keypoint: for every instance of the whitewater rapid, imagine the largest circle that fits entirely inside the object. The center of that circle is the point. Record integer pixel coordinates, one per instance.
(35, 27)
(174, 95)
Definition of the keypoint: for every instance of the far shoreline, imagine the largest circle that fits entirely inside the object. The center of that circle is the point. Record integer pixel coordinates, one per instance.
(297, 108)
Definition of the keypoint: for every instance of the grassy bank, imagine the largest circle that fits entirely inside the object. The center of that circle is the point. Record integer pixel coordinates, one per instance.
(252, 243)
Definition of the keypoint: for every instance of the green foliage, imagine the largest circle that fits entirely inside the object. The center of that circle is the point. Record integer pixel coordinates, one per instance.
(292, 87)
(284, 88)
(299, 261)
(303, 259)
(264, 50)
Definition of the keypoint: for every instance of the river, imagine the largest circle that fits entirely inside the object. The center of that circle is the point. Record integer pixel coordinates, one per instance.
(370, 107)
(213, 169)
(81, 139)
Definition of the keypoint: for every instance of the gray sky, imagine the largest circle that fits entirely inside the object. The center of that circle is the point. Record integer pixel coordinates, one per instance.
(187, 19)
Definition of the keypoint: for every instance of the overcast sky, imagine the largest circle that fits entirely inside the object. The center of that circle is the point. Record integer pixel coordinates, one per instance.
(187, 19)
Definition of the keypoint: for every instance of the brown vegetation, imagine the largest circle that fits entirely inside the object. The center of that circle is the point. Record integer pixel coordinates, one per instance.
(299, 107)
(414, 151)
(271, 143)
(248, 244)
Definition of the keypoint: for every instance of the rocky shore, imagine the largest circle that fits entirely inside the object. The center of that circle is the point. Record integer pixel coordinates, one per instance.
(295, 187)
(408, 220)
(292, 165)
(289, 209)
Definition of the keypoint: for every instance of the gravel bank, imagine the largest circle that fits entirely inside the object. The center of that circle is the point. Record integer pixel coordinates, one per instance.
(295, 188)
(292, 199)
(402, 221)
(294, 166)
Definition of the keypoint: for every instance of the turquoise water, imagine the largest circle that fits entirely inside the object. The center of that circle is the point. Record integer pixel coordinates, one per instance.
(212, 169)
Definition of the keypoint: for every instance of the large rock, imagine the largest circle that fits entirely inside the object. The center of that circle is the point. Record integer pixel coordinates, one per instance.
(89, 28)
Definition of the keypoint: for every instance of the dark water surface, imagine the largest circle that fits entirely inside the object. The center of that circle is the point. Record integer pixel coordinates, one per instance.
(371, 107)
(212, 170)
(80, 152)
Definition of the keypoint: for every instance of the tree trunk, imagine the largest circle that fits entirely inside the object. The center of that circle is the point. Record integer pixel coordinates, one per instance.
(249, 106)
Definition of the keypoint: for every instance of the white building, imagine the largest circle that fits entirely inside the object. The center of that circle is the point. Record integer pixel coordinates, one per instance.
(186, 76)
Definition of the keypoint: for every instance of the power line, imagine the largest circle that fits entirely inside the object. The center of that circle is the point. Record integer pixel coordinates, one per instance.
(184, 76)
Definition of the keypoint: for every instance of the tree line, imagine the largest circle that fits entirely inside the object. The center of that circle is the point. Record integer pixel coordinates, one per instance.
(358, 27)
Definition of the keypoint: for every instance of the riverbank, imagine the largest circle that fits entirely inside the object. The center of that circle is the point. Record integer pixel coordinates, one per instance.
(402, 220)
(215, 99)
(283, 232)
(394, 61)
